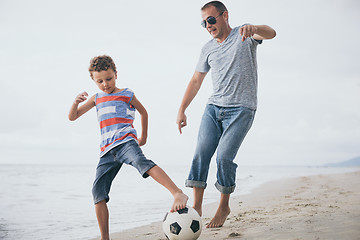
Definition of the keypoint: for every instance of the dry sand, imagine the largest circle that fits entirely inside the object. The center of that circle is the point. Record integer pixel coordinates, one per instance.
(316, 207)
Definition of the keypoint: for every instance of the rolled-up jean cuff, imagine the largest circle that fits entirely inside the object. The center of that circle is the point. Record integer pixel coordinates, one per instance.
(225, 190)
(193, 183)
(143, 172)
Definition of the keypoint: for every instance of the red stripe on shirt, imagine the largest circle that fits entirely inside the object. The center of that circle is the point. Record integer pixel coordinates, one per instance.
(113, 98)
(112, 121)
(121, 138)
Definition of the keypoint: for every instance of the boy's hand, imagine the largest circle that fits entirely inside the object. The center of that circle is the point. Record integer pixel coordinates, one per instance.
(142, 141)
(247, 31)
(81, 97)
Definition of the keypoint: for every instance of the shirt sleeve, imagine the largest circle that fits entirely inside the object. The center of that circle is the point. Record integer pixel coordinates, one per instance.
(129, 93)
(257, 41)
(203, 65)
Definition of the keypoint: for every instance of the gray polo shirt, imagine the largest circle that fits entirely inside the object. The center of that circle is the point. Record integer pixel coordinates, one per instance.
(233, 70)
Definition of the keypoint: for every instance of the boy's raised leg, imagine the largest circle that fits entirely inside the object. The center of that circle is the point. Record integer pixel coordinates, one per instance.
(102, 214)
(180, 199)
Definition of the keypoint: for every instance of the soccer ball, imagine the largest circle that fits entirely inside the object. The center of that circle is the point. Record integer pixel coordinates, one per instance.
(184, 224)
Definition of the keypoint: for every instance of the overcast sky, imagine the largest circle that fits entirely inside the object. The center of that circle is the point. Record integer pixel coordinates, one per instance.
(309, 77)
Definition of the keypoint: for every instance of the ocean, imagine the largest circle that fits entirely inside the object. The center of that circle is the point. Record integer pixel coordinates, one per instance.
(55, 201)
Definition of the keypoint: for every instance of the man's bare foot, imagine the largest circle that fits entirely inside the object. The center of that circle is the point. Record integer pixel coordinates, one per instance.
(219, 218)
(180, 200)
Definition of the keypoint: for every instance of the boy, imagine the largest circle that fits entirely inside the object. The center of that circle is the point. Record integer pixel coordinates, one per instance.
(119, 143)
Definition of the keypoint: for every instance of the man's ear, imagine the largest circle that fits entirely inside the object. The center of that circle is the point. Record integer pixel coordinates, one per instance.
(226, 16)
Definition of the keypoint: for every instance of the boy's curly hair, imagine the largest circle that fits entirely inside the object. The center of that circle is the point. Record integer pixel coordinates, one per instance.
(101, 63)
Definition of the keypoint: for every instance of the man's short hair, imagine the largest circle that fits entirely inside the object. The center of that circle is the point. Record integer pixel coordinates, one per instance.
(220, 7)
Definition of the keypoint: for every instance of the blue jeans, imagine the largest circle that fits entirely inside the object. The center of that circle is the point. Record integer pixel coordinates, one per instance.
(224, 129)
(109, 165)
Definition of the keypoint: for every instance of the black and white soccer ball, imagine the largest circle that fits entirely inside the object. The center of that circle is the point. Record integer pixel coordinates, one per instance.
(184, 224)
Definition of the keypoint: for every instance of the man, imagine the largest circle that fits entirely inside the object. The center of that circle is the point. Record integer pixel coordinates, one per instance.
(229, 114)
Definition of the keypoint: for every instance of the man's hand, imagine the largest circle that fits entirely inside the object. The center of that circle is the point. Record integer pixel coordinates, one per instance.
(181, 121)
(247, 31)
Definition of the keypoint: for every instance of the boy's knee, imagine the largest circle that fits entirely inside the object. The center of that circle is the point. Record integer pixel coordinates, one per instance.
(144, 166)
(98, 194)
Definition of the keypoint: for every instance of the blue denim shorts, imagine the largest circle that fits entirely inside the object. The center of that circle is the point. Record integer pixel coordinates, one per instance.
(222, 129)
(109, 165)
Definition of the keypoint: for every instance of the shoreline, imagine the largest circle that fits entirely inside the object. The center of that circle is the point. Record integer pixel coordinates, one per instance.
(310, 207)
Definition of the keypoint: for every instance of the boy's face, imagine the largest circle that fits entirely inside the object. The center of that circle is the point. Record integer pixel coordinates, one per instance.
(105, 80)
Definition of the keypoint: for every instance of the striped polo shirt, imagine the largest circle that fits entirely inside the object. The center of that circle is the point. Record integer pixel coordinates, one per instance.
(116, 117)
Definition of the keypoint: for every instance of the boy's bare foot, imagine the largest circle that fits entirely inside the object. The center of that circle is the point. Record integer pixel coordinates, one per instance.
(180, 200)
(219, 218)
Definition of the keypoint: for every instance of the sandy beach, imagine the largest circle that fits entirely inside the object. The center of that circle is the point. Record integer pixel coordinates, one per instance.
(315, 207)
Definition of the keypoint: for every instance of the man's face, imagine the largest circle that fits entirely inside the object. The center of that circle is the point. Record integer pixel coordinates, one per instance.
(216, 30)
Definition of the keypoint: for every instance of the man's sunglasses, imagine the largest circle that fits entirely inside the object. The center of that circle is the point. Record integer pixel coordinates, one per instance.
(211, 20)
